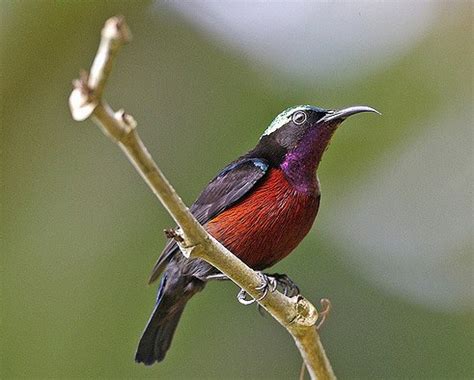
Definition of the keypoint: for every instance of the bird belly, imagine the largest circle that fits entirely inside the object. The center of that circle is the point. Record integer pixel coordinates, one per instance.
(266, 225)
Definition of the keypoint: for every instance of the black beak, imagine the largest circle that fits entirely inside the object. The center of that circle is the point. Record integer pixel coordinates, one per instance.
(343, 114)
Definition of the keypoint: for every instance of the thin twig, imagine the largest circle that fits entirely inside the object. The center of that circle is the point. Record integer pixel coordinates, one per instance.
(296, 314)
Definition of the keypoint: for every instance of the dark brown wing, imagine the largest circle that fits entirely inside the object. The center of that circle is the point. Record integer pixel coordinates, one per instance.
(230, 185)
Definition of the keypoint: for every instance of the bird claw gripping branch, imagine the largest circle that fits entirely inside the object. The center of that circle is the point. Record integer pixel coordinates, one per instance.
(270, 282)
(286, 284)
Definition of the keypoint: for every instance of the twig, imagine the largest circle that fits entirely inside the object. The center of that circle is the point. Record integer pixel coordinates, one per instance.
(296, 314)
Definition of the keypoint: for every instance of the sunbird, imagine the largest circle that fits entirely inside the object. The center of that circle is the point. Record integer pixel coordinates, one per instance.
(260, 207)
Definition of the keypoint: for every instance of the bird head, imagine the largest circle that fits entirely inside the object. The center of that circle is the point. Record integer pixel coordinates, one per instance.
(297, 138)
(303, 130)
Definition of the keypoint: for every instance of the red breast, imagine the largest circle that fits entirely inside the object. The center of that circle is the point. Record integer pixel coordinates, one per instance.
(266, 225)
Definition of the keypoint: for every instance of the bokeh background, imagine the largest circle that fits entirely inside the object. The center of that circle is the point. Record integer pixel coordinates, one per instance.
(392, 246)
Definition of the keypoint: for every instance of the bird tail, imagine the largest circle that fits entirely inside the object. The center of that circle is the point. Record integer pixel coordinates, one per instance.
(173, 294)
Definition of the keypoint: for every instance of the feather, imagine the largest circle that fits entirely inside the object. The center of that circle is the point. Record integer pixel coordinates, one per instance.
(228, 187)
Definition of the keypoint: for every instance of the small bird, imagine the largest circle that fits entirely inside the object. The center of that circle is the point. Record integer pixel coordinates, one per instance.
(260, 207)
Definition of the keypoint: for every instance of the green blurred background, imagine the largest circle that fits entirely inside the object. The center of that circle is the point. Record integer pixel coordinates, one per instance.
(392, 246)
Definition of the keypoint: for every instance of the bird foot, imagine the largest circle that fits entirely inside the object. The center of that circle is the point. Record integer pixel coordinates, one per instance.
(285, 284)
(271, 282)
(323, 314)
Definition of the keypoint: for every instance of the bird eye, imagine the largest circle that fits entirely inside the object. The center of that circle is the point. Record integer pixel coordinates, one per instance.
(299, 117)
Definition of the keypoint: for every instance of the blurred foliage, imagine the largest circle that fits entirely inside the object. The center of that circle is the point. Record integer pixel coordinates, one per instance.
(83, 231)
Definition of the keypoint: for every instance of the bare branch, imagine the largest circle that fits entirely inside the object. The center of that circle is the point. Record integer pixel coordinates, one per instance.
(296, 314)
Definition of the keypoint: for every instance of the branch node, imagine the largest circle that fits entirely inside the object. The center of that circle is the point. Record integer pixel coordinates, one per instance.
(126, 120)
(172, 234)
(190, 250)
(306, 313)
(116, 29)
(81, 101)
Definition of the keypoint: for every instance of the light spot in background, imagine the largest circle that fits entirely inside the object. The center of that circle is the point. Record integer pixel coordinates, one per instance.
(301, 40)
(410, 227)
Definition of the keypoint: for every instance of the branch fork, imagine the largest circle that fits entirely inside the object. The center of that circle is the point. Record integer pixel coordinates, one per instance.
(86, 101)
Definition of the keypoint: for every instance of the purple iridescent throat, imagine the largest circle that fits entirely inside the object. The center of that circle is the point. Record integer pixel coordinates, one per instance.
(300, 163)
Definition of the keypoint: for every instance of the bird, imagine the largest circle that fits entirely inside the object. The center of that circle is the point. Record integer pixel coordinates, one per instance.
(260, 207)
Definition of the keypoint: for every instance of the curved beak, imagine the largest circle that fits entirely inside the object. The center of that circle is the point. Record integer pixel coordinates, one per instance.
(346, 112)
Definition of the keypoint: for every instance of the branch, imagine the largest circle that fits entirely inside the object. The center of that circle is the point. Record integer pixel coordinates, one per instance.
(296, 314)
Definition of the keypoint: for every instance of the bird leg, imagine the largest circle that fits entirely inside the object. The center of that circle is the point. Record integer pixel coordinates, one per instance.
(218, 276)
(270, 282)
